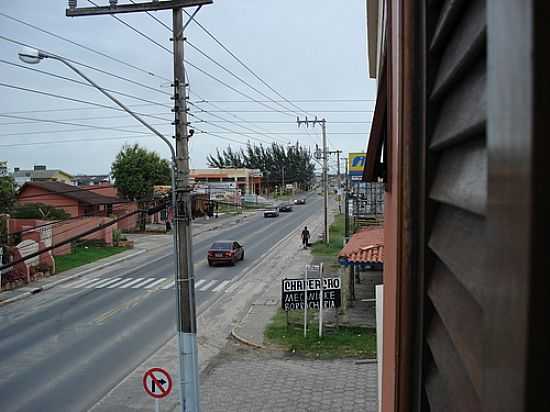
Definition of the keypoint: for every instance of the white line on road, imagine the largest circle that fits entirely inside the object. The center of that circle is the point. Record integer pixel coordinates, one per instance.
(208, 285)
(118, 284)
(155, 283)
(200, 282)
(221, 286)
(146, 281)
(133, 282)
(98, 282)
(169, 284)
(102, 285)
(80, 283)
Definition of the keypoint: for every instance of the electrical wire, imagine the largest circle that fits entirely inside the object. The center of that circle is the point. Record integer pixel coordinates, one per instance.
(105, 72)
(51, 142)
(72, 99)
(75, 118)
(82, 83)
(297, 100)
(100, 53)
(229, 121)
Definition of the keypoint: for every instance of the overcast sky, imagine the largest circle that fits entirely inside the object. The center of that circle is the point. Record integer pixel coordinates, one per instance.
(306, 50)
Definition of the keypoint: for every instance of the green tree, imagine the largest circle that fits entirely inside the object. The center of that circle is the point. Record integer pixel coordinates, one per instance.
(8, 194)
(296, 161)
(136, 170)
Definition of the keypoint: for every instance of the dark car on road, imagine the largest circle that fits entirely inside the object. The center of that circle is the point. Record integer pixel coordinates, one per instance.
(225, 251)
(285, 208)
(300, 201)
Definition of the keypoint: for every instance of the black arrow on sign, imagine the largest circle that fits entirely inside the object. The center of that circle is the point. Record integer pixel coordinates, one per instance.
(153, 384)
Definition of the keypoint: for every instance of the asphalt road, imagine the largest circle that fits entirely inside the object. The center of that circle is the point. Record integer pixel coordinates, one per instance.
(65, 349)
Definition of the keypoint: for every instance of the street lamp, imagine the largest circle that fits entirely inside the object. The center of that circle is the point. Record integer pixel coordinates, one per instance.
(34, 56)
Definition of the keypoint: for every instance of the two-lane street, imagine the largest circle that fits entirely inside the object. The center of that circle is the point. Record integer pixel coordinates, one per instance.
(66, 348)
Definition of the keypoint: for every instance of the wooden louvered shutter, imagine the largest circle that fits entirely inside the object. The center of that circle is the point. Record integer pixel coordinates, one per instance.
(455, 184)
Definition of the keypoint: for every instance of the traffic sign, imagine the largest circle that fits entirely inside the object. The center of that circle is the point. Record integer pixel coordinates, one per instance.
(157, 382)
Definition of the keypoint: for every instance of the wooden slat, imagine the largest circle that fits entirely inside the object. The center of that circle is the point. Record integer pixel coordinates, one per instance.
(437, 392)
(450, 13)
(461, 177)
(458, 239)
(462, 317)
(463, 112)
(461, 390)
(466, 44)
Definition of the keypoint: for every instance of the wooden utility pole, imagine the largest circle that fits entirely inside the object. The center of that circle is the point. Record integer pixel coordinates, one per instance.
(185, 286)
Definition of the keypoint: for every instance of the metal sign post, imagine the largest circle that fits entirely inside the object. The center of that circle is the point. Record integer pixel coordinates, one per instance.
(305, 300)
(321, 292)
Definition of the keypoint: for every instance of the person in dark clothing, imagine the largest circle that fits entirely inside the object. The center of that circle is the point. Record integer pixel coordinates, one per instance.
(305, 237)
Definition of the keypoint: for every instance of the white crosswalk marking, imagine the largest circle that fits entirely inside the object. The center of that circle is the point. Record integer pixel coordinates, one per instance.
(152, 285)
(100, 281)
(208, 285)
(80, 283)
(133, 282)
(169, 284)
(221, 286)
(119, 284)
(146, 281)
(102, 285)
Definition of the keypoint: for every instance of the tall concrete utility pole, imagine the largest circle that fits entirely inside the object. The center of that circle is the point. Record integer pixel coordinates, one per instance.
(322, 122)
(185, 282)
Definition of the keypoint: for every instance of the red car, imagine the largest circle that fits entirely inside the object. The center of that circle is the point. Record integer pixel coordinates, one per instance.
(225, 251)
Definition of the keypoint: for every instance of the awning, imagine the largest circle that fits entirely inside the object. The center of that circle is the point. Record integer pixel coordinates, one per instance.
(375, 169)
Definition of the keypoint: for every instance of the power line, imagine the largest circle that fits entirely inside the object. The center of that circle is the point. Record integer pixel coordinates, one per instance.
(244, 64)
(222, 119)
(74, 118)
(72, 109)
(57, 36)
(277, 122)
(105, 72)
(72, 99)
(50, 142)
(288, 111)
(89, 126)
(136, 30)
(296, 134)
(262, 131)
(233, 132)
(295, 100)
(238, 78)
(82, 83)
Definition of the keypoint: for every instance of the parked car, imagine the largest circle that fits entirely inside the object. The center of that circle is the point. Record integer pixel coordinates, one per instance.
(285, 208)
(299, 201)
(273, 212)
(225, 251)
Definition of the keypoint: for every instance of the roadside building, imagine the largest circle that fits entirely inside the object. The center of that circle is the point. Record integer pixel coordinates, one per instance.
(459, 138)
(91, 180)
(40, 173)
(73, 200)
(245, 180)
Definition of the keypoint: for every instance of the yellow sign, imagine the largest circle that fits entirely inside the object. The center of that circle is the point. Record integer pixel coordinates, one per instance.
(356, 162)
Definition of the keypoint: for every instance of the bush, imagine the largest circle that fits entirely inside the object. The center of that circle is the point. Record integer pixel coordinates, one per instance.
(39, 211)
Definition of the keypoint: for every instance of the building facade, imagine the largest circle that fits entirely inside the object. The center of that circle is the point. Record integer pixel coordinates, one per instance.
(248, 181)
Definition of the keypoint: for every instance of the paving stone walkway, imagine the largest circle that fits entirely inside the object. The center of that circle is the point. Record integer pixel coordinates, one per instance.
(256, 381)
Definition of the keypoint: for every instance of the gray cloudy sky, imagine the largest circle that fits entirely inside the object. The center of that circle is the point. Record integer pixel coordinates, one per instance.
(306, 50)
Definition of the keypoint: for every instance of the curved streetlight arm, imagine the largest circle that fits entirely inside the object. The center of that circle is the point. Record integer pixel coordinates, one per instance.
(114, 99)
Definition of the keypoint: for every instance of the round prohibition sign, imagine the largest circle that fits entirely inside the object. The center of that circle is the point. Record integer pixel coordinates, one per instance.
(157, 382)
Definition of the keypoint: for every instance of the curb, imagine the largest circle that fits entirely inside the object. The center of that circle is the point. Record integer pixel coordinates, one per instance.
(69, 278)
(99, 267)
(245, 341)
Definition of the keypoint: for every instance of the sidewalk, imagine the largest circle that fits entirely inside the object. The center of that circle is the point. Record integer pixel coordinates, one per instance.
(143, 243)
(260, 379)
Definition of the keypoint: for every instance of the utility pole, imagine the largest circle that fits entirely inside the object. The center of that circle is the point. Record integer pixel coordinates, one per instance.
(284, 187)
(324, 156)
(185, 282)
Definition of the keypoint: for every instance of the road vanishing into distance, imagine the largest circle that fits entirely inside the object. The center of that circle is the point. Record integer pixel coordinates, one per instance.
(64, 349)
